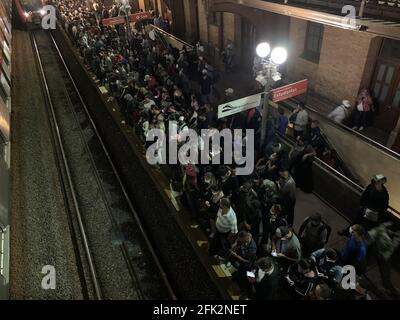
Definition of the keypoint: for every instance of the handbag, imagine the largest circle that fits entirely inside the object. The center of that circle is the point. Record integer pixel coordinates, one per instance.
(371, 215)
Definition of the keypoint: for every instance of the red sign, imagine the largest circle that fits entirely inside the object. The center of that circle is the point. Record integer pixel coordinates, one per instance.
(121, 19)
(140, 16)
(289, 91)
(113, 21)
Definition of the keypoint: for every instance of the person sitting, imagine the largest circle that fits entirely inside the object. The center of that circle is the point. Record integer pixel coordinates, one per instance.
(286, 247)
(314, 233)
(355, 251)
(302, 278)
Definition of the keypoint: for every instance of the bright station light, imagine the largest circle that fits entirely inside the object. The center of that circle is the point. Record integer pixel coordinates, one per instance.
(279, 55)
(263, 49)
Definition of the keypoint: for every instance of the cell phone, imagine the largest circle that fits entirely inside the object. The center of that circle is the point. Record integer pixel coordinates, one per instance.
(251, 274)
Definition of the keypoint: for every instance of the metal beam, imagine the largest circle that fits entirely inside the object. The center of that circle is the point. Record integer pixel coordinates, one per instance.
(362, 25)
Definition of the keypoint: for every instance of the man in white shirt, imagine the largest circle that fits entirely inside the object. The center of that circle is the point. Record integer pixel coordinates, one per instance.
(341, 112)
(226, 229)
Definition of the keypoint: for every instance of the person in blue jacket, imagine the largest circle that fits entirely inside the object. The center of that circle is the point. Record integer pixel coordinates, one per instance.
(355, 251)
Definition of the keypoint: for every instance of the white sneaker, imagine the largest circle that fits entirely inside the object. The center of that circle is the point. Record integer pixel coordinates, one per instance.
(361, 129)
(355, 128)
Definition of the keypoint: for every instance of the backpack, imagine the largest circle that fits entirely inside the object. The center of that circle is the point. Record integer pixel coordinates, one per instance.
(321, 228)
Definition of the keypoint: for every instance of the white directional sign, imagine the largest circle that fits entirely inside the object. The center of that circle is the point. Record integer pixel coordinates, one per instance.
(236, 106)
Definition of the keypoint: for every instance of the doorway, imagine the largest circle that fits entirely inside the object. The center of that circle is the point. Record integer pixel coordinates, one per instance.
(385, 85)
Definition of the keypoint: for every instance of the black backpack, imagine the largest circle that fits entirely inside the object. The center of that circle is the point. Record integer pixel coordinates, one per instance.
(323, 227)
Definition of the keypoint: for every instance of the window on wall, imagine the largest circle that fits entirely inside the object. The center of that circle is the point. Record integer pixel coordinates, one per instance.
(313, 42)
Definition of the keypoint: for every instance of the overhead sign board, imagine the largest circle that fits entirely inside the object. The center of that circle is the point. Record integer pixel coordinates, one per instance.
(236, 106)
(140, 16)
(113, 21)
(289, 91)
(132, 18)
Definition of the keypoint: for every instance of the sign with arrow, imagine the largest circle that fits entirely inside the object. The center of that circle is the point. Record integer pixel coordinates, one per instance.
(236, 106)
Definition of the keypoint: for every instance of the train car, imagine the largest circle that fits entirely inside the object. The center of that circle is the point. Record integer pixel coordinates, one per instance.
(5, 145)
(30, 11)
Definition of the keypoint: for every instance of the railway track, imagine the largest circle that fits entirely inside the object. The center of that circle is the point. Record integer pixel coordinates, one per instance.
(114, 255)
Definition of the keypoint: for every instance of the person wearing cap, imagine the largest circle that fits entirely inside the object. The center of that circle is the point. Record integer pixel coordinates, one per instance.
(313, 233)
(286, 247)
(374, 204)
(341, 113)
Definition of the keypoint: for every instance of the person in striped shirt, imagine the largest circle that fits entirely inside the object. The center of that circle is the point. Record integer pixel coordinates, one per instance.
(226, 229)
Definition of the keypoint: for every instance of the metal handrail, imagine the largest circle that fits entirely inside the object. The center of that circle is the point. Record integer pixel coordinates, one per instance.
(189, 46)
(379, 146)
(339, 175)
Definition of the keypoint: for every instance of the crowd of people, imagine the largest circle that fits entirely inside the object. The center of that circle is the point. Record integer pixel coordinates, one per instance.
(249, 219)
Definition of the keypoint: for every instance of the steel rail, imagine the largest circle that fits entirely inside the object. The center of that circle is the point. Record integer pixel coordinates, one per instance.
(117, 176)
(69, 183)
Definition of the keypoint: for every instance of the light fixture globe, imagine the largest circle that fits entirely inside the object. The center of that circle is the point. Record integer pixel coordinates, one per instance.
(279, 55)
(263, 49)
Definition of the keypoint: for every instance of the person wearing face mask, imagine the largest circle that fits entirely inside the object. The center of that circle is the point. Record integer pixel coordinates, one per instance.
(314, 233)
(286, 248)
(355, 251)
(326, 264)
(374, 203)
(264, 280)
(301, 278)
(272, 221)
(243, 254)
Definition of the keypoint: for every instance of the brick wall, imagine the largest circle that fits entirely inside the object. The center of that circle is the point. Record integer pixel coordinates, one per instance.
(297, 67)
(346, 62)
(343, 58)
